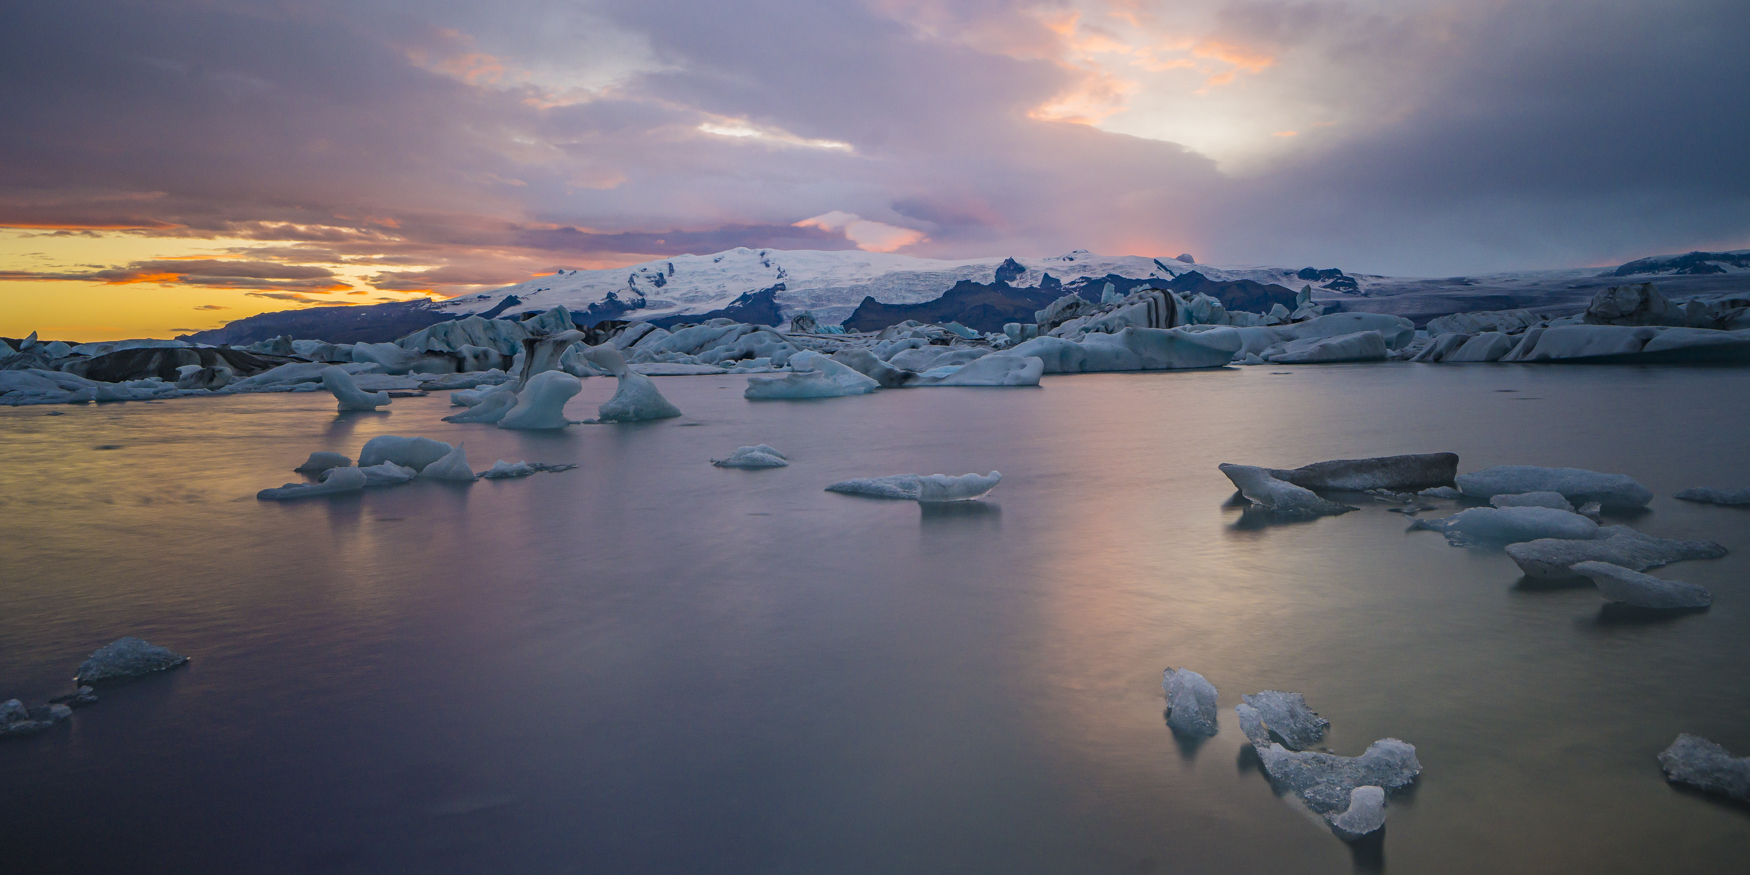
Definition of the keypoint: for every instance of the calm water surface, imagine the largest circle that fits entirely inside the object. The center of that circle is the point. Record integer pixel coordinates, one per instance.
(651, 665)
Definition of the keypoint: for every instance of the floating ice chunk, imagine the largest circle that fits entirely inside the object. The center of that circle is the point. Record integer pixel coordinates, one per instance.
(1552, 559)
(812, 375)
(1287, 715)
(1280, 496)
(1441, 492)
(1619, 584)
(1510, 525)
(334, 481)
(636, 399)
(1191, 702)
(388, 474)
(1489, 346)
(1365, 814)
(999, 369)
(1362, 346)
(1382, 472)
(1716, 496)
(540, 403)
(1696, 762)
(411, 452)
(1575, 484)
(464, 381)
(761, 456)
(126, 658)
(322, 460)
(1326, 781)
(488, 405)
(348, 394)
(1532, 499)
(1134, 349)
(455, 465)
(900, 486)
(934, 488)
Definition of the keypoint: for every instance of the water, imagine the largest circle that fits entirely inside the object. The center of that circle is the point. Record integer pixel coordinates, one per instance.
(651, 665)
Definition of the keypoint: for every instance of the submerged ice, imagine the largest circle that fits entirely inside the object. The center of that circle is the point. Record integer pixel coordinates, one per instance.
(760, 456)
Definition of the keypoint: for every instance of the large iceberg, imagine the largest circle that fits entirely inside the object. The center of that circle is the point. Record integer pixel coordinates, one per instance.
(487, 405)
(1575, 484)
(1554, 559)
(636, 397)
(1191, 702)
(1510, 525)
(1619, 584)
(1696, 762)
(1134, 349)
(999, 369)
(540, 403)
(410, 452)
(1644, 344)
(866, 363)
(928, 489)
(760, 456)
(1408, 472)
(811, 375)
(339, 382)
(126, 658)
(1279, 496)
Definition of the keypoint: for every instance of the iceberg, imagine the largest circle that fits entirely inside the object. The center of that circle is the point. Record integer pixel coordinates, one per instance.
(997, 369)
(1365, 814)
(540, 403)
(1510, 525)
(1134, 349)
(410, 452)
(489, 405)
(1696, 762)
(334, 481)
(1575, 484)
(1414, 471)
(322, 460)
(1362, 346)
(126, 658)
(866, 363)
(636, 397)
(1287, 716)
(348, 394)
(1531, 499)
(1715, 496)
(1191, 702)
(1489, 346)
(1441, 492)
(1644, 344)
(1279, 496)
(1554, 559)
(1326, 780)
(17, 720)
(912, 487)
(453, 466)
(1619, 584)
(761, 456)
(812, 375)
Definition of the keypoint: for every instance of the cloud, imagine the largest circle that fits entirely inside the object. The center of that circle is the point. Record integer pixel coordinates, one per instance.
(302, 299)
(869, 236)
(211, 307)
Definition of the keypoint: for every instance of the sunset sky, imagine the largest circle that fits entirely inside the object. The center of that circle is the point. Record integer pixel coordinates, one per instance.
(170, 166)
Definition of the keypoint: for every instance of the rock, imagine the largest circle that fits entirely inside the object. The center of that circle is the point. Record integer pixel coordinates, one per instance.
(1191, 702)
(1619, 584)
(322, 460)
(77, 699)
(1638, 304)
(1574, 484)
(1287, 716)
(1510, 525)
(1365, 814)
(1383, 472)
(1710, 495)
(1279, 496)
(1327, 781)
(1549, 559)
(760, 456)
(1532, 499)
(126, 658)
(1696, 762)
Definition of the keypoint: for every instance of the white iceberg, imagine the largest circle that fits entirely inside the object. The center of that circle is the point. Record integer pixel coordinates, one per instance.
(1134, 349)
(1696, 762)
(1648, 344)
(322, 460)
(761, 456)
(636, 397)
(1532, 499)
(1619, 584)
(1191, 702)
(1554, 559)
(998, 369)
(1710, 495)
(1510, 525)
(930, 489)
(348, 393)
(487, 405)
(811, 375)
(1362, 346)
(334, 481)
(410, 452)
(540, 403)
(454, 465)
(1280, 496)
(1575, 484)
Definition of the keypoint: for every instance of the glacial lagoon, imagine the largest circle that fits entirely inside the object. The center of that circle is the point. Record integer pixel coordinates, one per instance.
(648, 664)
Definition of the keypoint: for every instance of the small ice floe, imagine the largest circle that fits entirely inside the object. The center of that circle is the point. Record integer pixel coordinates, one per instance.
(1509, 525)
(1554, 559)
(17, 720)
(1575, 484)
(1280, 496)
(410, 452)
(1191, 702)
(1441, 492)
(1696, 762)
(811, 375)
(761, 456)
(928, 489)
(322, 460)
(540, 403)
(334, 481)
(1328, 783)
(339, 382)
(1365, 814)
(454, 465)
(502, 470)
(1619, 584)
(126, 658)
(1285, 716)
(1709, 495)
(1532, 499)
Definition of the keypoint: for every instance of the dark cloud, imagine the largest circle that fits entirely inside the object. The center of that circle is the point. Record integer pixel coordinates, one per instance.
(211, 307)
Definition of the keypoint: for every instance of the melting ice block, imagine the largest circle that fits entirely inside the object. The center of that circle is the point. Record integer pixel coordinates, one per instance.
(501, 469)
(636, 399)
(334, 481)
(487, 405)
(932, 488)
(1554, 559)
(1619, 584)
(1280, 496)
(1510, 525)
(1575, 484)
(761, 456)
(1362, 346)
(126, 658)
(996, 369)
(1191, 702)
(1287, 716)
(540, 403)
(1696, 762)
(410, 452)
(1710, 495)
(322, 460)
(348, 393)
(454, 466)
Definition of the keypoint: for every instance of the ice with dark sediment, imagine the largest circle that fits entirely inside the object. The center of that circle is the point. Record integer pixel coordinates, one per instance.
(322, 460)
(1553, 559)
(1532, 499)
(1619, 584)
(1407, 472)
(334, 482)
(1134, 349)
(1500, 526)
(1287, 716)
(1696, 762)
(453, 466)
(410, 452)
(1575, 484)
(348, 394)
(1191, 702)
(1279, 496)
(932, 488)
(1710, 495)
(125, 658)
(761, 456)
(866, 363)
(540, 403)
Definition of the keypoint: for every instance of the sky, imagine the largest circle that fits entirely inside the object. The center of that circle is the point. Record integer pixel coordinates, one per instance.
(170, 166)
